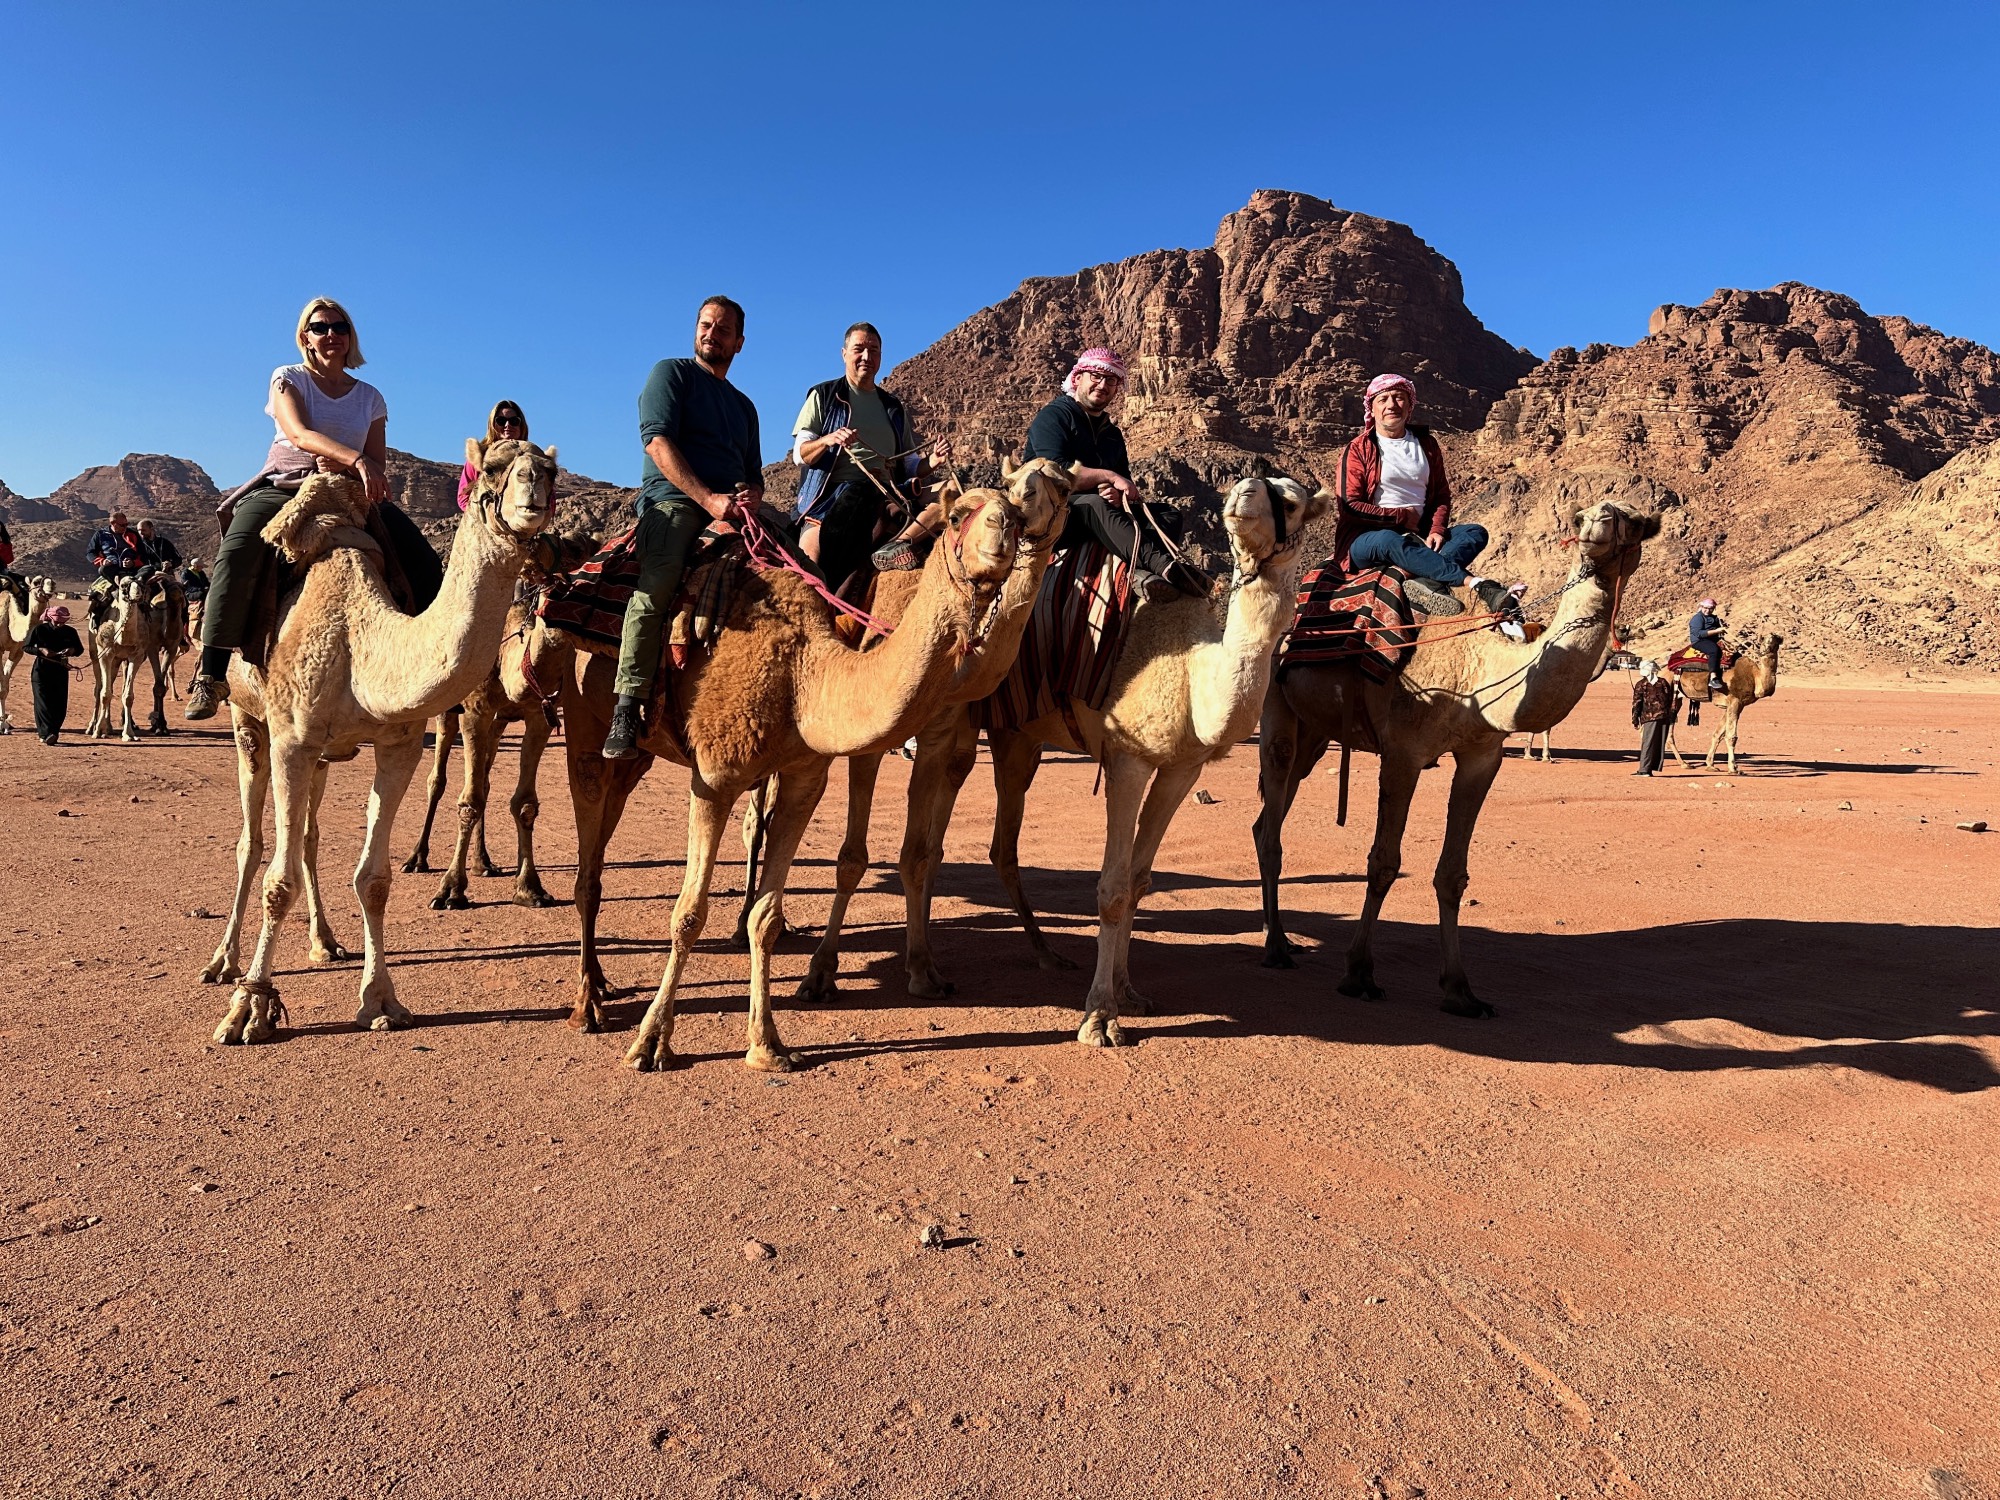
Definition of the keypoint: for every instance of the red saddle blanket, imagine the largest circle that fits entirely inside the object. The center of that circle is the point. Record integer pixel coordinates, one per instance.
(1689, 658)
(589, 602)
(1069, 653)
(1365, 619)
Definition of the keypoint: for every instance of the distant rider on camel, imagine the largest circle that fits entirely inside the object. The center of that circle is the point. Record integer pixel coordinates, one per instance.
(1705, 632)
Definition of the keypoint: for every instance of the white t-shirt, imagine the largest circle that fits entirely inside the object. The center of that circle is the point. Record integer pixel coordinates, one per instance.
(1406, 473)
(345, 419)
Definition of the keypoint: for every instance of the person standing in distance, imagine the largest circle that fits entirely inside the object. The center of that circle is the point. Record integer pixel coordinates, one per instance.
(702, 458)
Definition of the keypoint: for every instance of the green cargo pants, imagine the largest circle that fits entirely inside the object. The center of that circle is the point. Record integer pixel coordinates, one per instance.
(667, 532)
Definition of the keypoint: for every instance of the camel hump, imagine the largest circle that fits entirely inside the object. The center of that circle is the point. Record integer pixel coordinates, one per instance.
(330, 511)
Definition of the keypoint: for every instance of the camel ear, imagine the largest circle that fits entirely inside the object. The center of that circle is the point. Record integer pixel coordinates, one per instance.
(1008, 468)
(1317, 502)
(550, 454)
(1649, 526)
(475, 453)
(1576, 519)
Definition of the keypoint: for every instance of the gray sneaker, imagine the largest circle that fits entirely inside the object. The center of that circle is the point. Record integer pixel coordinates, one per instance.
(205, 695)
(1431, 598)
(621, 741)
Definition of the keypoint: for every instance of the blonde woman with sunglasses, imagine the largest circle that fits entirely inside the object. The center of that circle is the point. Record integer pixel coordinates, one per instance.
(328, 422)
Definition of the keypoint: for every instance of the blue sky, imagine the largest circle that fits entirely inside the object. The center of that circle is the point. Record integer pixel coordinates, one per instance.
(530, 201)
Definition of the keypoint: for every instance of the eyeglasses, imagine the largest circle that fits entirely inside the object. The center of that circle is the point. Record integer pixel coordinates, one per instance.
(342, 327)
(510, 421)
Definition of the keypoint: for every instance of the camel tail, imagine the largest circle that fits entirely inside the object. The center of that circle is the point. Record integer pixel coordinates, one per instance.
(1340, 811)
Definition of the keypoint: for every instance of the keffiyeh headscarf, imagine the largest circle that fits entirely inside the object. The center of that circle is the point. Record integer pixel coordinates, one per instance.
(1380, 384)
(1101, 360)
(1706, 604)
(56, 614)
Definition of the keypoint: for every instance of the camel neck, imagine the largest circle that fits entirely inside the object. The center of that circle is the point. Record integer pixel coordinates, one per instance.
(1227, 678)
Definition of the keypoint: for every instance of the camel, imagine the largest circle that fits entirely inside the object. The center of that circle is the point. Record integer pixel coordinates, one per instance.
(1548, 746)
(527, 673)
(946, 746)
(1751, 678)
(349, 668)
(14, 627)
(1460, 695)
(781, 693)
(137, 630)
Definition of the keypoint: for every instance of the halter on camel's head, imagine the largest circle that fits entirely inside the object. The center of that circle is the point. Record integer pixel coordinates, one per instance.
(516, 492)
(1038, 492)
(1266, 520)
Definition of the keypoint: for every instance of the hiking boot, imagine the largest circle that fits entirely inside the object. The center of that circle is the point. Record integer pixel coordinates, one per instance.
(1717, 685)
(205, 695)
(1431, 598)
(621, 741)
(1498, 598)
(1152, 588)
(1189, 579)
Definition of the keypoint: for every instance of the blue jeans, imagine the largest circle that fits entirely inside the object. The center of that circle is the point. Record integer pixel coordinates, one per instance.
(1399, 549)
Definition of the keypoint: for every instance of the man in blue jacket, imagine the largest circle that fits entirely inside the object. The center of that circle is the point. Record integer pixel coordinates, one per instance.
(1705, 631)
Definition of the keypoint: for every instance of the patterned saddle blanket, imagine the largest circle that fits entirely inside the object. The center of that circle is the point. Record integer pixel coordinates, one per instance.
(1069, 653)
(589, 602)
(1365, 618)
(1690, 659)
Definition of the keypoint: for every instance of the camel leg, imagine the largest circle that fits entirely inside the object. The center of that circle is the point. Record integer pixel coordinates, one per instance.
(797, 795)
(395, 764)
(1125, 778)
(482, 743)
(419, 862)
(1169, 790)
(526, 806)
(822, 982)
(326, 947)
(1016, 758)
(708, 816)
(945, 757)
(598, 789)
(1284, 760)
(162, 665)
(1732, 722)
(1674, 744)
(1385, 862)
(253, 784)
(1474, 767)
(127, 731)
(254, 1007)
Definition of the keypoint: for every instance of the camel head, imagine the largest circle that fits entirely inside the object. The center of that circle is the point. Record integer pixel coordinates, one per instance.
(1608, 535)
(1767, 665)
(984, 533)
(1038, 493)
(516, 492)
(1266, 519)
(126, 606)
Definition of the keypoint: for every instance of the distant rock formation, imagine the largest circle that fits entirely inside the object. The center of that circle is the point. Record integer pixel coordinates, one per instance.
(137, 482)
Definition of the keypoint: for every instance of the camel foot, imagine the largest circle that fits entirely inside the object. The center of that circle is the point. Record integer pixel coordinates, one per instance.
(1278, 952)
(329, 953)
(386, 1014)
(926, 983)
(221, 969)
(489, 869)
(1047, 958)
(587, 1015)
(770, 1060)
(821, 986)
(650, 1054)
(1100, 1030)
(448, 899)
(157, 724)
(1361, 987)
(418, 864)
(1466, 1005)
(1133, 1003)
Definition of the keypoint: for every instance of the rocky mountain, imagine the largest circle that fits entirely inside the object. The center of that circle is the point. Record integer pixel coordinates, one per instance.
(138, 482)
(1770, 428)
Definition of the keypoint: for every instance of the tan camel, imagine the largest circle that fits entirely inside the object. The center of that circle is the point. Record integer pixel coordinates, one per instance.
(1040, 490)
(527, 674)
(14, 627)
(349, 668)
(1460, 695)
(782, 693)
(139, 630)
(1751, 678)
(1186, 690)
(1548, 746)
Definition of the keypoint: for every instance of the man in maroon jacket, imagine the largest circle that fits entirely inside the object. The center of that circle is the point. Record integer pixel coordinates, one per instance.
(1395, 509)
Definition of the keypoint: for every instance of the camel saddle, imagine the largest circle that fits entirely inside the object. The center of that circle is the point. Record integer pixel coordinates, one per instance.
(589, 602)
(1069, 652)
(325, 516)
(1692, 668)
(1364, 618)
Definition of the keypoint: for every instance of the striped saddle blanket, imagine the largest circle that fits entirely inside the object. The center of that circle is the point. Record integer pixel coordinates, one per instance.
(1364, 618)
(1069, 653)
(589, 603)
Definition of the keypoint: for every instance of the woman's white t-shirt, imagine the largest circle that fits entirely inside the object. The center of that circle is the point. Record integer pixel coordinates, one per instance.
(1406, 473)
(345, 419)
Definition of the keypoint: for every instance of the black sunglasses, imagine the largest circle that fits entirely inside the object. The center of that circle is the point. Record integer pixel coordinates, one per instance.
(508, 419)
(343, 327)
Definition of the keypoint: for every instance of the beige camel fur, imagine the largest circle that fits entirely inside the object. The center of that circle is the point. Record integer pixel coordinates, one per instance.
(1186, 690)
(527, 673)
(1040, 490)
(1752, 677)
(14, 628)
(139, 630)
(782, 693)
(1461, 695)
(349, 668)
